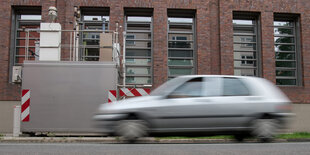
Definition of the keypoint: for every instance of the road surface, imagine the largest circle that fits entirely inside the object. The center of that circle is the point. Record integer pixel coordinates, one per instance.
(155, 149)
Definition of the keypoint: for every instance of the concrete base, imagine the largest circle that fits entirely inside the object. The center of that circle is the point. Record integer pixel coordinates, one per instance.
(6, 116)
(301, 122)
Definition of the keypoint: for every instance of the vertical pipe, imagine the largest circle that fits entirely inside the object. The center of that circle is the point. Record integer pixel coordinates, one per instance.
(73, 50)
(16, 121)
(103, 24)
(77, 42)
(70, 46)
(124, 59)
(26, 44)
(37, 50)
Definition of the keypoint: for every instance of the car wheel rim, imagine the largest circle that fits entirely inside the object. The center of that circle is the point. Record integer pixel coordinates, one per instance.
(132, 129)
(264, 129)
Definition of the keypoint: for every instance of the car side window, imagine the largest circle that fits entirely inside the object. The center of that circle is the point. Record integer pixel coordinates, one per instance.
(191, 88)
(212, 87)
(235, 87)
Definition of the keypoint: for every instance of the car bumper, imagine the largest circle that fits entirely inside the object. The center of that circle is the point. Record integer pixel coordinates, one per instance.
(284, 119)
(109, 117)
(108, 122)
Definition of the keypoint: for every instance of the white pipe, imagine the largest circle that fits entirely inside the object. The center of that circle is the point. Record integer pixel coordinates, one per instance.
(37, 50)
(77, 44)
(70, 58)
(124, 59)
(73, 50)
(16, 121)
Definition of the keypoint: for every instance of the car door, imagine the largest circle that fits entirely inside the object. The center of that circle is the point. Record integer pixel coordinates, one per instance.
(187, 108)
(231, 107)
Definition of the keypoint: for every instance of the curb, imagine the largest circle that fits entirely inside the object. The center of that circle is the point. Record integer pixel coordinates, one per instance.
(116, 140)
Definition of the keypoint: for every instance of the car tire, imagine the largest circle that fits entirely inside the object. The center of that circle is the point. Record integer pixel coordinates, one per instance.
(239, 137)
(131, 130)
(265, 129)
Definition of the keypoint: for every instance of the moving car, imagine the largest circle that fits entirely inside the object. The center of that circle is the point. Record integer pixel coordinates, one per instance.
(198, 105)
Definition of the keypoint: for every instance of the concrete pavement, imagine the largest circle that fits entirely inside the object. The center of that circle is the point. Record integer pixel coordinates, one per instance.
(154, 149)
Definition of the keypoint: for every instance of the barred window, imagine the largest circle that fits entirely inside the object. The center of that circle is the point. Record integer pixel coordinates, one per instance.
(286, 50)
(139, 29)
(23, 42)
(181, 44)
(246, 46)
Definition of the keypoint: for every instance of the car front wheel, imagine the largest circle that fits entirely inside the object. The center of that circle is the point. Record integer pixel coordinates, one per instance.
(131, 130)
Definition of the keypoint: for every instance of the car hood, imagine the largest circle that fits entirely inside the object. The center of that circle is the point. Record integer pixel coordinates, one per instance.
(132, 103)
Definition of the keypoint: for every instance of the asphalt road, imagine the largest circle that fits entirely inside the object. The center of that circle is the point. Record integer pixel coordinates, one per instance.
(155, 149)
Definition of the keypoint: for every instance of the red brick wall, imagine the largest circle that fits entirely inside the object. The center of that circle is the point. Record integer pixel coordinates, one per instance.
(214, 34)
(267, 8)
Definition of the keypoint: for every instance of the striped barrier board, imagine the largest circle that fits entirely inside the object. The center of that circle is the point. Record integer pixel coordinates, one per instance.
(112, 96)
(128, 92)
(25, 109)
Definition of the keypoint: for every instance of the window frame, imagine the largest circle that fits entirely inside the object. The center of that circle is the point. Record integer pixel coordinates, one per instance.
(186, 14)
(17, 12)
(148, 13)
(295, 19)
(254, 17)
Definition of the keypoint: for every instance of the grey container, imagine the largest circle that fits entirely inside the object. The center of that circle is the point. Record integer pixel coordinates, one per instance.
(65, 95)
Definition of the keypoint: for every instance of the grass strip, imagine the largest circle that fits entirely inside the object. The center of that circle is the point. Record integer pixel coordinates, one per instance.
(295, 135)
(208, 137)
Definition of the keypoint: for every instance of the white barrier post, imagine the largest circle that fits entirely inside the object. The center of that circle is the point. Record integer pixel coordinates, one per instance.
(16, 121)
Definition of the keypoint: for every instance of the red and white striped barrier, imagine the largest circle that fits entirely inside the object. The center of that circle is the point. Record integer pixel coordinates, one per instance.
(128, 92)
(25, 105)
(112, 96)
(134, 92)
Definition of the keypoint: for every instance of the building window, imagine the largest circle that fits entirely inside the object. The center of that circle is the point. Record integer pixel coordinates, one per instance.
(23, 19)
(138, 27)
(181, 44)
(246, 45)
(286, 50)
(130, 39)
(92, 19)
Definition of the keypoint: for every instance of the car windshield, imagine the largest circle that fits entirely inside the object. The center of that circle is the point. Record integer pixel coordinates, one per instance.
(169, 86)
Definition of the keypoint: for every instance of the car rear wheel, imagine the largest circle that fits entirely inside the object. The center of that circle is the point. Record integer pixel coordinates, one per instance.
(240, 137)
(131, 130)
(265, 129)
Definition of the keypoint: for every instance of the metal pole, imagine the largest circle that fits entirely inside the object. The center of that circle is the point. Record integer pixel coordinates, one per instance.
(37, 50)
(77, 43)
(26, 44)
(70, 58)
(73, 50)
(16, 121)
(103, 25)
(124, 59)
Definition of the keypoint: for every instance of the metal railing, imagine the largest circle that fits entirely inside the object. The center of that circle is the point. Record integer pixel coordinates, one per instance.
(78, 45)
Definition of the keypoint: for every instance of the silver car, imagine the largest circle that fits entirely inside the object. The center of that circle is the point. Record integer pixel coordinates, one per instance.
(200, 105)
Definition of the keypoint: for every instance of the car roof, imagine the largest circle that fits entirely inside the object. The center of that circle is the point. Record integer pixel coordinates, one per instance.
(192, 76)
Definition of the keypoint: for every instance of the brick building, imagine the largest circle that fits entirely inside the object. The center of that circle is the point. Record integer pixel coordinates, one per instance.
(265, 38)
